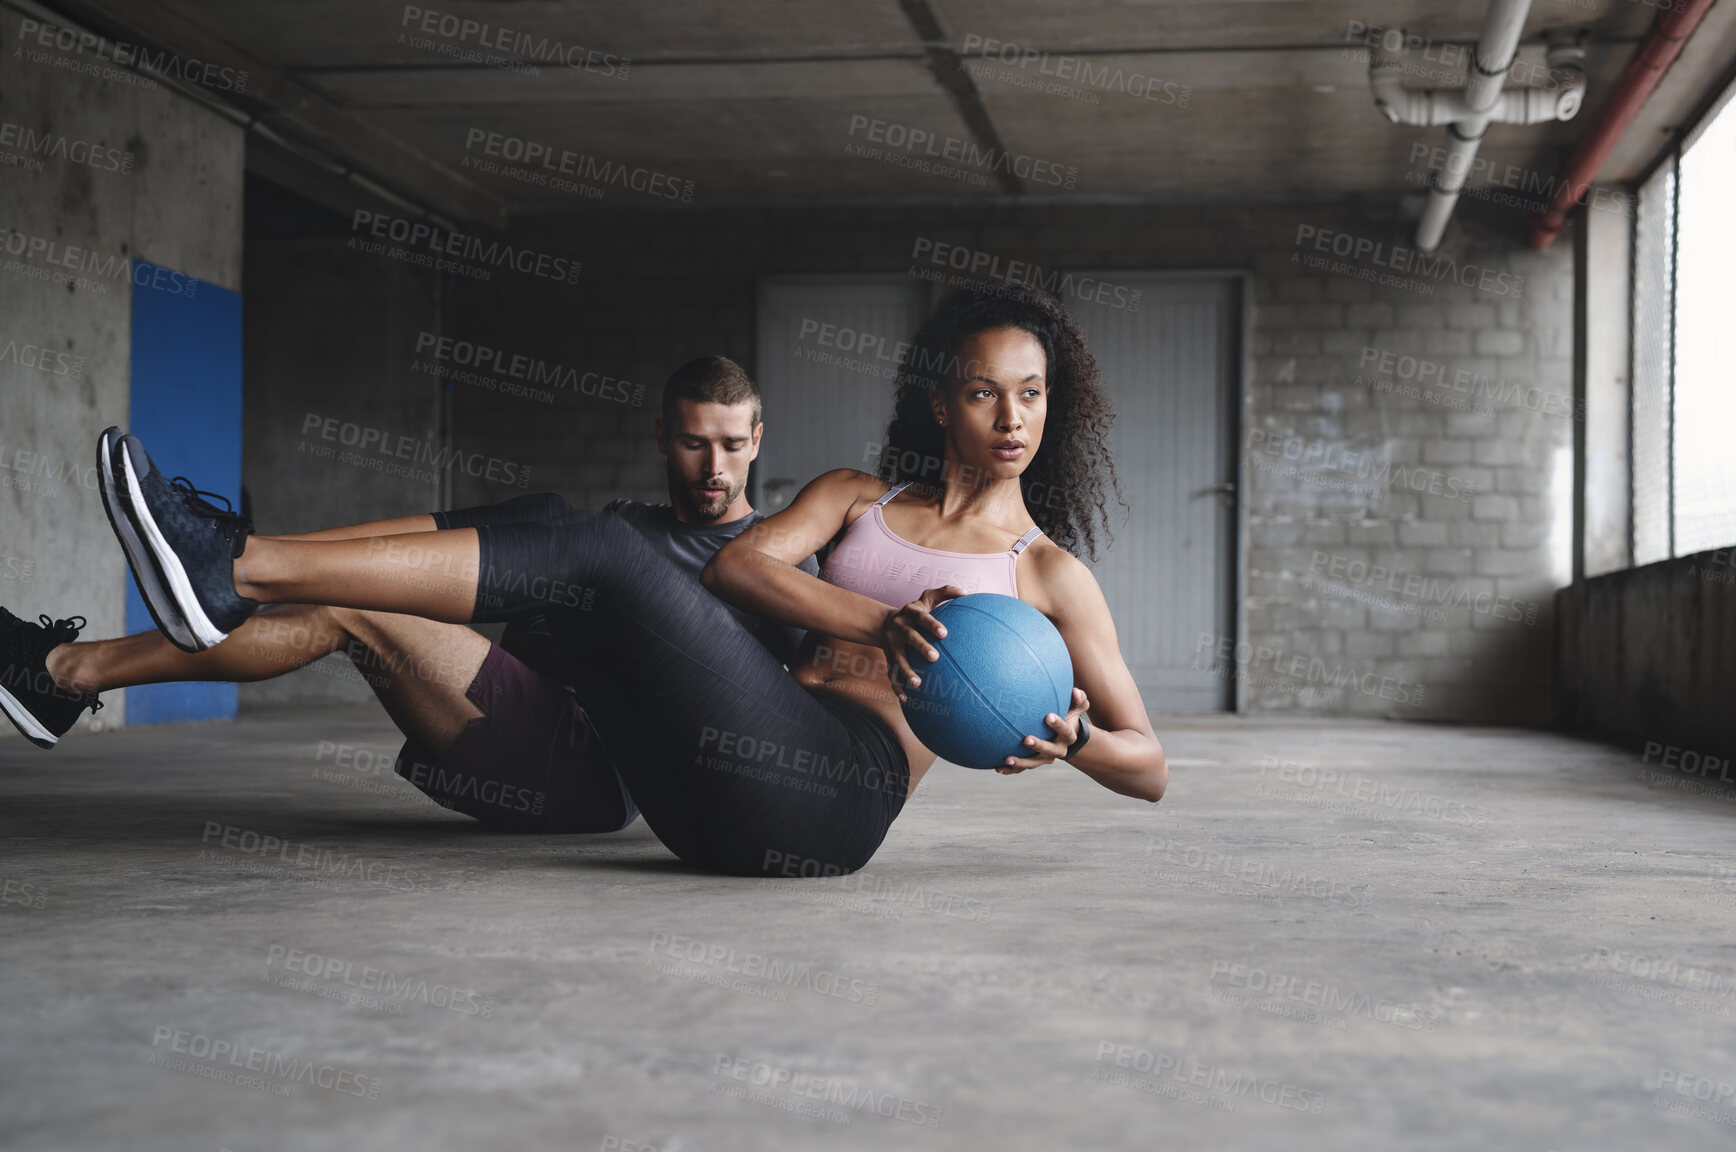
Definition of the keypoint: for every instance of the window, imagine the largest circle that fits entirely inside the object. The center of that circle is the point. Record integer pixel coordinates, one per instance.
(1654, 276)
(1684, 347)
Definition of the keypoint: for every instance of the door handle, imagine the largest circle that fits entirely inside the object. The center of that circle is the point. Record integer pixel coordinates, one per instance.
(1226, 488)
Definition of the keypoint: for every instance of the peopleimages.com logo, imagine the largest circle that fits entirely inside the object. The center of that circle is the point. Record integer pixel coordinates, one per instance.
(1368, 259)
(930, 145)
(449, 34)
(511, 373)
(127, 56)
(542, 163)
(1080, 70)
(42, 258)
(441, 242)
(55, 146)
(334, 977)
(227, 1056)
(39, 358)
(381, 450)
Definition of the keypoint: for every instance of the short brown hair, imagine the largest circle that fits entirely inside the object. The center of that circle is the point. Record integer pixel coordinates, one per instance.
(710, 380)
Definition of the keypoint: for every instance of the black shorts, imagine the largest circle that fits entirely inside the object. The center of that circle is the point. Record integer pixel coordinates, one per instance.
(530, 763)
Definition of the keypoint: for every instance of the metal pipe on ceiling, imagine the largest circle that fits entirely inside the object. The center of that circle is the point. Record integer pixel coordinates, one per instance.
(1469, 111)
(1670, 30)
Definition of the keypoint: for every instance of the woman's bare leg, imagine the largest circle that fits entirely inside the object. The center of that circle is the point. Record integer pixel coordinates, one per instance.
(397, 526)
(540, 506)
(280, 639)
(429, 574)
(192, 559)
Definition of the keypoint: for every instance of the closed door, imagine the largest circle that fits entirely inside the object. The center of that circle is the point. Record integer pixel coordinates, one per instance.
(828, 348)
(1170, 367)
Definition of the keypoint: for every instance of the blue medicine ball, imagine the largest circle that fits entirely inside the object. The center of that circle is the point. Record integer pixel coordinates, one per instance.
(1002, 668)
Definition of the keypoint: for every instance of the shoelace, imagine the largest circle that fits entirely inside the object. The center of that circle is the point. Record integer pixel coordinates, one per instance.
(196, 496)
(64, 632)
(221, 518)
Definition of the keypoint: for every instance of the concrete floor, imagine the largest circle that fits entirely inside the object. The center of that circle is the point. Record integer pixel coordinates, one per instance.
(1481, 939)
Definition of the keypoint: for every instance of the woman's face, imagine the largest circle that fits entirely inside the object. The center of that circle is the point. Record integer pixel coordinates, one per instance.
(992, 413)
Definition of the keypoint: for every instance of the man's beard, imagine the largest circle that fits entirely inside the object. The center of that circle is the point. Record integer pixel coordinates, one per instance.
(701, 507)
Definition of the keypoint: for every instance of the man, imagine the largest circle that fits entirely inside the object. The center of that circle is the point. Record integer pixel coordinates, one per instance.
(492, 729)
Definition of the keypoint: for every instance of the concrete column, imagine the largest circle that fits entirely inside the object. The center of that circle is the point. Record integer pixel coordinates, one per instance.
(102, 170)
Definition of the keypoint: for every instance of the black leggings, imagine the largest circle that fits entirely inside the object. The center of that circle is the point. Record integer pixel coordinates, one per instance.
(736, 766)
(538, 507)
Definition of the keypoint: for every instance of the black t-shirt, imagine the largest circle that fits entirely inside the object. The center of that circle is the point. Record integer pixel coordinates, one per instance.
(690, 546)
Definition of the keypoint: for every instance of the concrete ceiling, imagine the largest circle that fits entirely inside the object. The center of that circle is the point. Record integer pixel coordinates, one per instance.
(756, 100)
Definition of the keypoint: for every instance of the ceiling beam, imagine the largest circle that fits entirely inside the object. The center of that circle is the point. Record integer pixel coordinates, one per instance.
(293, 110)
(949, 72)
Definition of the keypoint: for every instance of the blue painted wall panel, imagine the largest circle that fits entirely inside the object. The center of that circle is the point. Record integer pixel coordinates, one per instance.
(186, 407)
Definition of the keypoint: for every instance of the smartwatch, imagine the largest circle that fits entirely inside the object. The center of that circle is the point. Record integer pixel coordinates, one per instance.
(1080, 741)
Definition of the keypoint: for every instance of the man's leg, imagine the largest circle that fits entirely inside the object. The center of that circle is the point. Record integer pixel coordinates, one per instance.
(420, 669)
(487, 735)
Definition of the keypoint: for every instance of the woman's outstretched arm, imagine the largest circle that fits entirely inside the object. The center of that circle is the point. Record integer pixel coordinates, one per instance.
(1123, 753)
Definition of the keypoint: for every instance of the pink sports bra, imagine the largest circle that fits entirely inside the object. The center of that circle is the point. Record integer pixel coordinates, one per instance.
(871, 560)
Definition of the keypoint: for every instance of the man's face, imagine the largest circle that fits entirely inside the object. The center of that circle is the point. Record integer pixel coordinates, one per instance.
(708, 449)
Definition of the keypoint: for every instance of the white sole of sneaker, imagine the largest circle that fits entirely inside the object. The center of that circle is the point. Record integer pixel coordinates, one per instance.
(144, 572)
(25, 722)
(176, 585)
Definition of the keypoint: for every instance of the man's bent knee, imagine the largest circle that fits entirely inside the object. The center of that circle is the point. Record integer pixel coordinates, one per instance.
(386, 647)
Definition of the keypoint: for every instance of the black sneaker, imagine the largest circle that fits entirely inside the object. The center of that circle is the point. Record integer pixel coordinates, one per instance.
(28, 695)
(191, 542)
(145, 573)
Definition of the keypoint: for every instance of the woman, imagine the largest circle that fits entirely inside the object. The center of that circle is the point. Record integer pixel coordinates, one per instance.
(736, 764)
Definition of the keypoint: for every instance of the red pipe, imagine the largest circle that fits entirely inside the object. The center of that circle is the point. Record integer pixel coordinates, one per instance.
(1656, 53)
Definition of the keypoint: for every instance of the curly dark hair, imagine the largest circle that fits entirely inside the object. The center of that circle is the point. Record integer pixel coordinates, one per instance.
(1066, 482)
